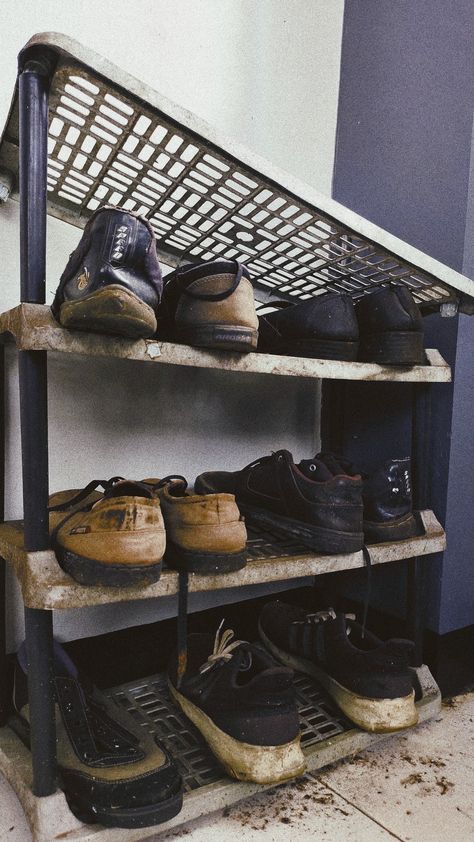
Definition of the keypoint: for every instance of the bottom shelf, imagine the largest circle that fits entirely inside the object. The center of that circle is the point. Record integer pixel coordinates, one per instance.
(326, 737)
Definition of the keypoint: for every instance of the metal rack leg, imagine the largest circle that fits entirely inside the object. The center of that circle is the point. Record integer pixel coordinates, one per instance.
(4, 707)
(182, 626)
(39, 647)
(421, 444)
(33, 121)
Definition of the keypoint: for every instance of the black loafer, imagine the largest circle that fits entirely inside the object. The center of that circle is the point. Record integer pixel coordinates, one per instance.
(390, 327)
(323, 327)
(111, 771)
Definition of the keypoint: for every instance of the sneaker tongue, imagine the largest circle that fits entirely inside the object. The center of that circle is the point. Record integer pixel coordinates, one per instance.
(315, 470)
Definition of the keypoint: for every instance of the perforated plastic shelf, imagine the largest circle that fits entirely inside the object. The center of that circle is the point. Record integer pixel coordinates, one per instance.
(113, 140)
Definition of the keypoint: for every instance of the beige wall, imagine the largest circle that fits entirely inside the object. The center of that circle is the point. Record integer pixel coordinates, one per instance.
(266, 72)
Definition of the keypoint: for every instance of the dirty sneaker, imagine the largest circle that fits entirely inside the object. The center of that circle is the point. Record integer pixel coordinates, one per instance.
(111, 770)
(210, 305)
(387, 497)
(114, 539)
(370, 680)
(305, 501)
(112, 282)
(243, 704)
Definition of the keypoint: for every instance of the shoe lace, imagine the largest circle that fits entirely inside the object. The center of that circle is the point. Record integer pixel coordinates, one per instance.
(321, 617)
(223, 648)
(262, 460)
(166, 480)
(84, 494)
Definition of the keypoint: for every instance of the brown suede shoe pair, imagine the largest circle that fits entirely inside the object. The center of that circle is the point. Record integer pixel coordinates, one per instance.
(120, 537)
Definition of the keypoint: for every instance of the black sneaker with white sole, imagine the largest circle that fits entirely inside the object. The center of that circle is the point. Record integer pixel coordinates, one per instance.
(370, 680)
(243, 703)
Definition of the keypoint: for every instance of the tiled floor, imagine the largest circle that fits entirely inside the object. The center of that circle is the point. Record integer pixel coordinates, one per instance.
(415, 787)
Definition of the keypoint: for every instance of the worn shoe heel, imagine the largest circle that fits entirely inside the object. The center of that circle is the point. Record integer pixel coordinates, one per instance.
(110, 310)
(195, 561)
(322, 349)
(375, 715)
(398, 529)
(244, 761)
(316, 538)
(227, 337)
(393, 348)
(87, 571)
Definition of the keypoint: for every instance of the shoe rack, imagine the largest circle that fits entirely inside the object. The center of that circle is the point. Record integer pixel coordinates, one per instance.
(80, 134)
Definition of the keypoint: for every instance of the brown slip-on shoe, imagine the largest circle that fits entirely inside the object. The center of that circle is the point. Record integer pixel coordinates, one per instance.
(115, 539)
(210, 305)
(205, 533)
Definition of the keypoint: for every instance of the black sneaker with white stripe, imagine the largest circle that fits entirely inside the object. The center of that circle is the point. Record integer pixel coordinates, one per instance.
(370, 680)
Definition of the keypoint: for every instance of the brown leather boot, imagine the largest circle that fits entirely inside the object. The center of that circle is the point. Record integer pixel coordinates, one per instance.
(205, 533)
(210, 305)
(114, 539)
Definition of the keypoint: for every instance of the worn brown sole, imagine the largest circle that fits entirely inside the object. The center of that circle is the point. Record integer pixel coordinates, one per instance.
(379, 716)
(398, 529)
(87, 571)
(316, 538)
(393, 348)
(205, 563)
(110, 310)
(225, 337)
(319, 349)
(244, 761)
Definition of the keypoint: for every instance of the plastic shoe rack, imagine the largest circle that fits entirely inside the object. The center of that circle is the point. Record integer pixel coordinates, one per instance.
(81, 134)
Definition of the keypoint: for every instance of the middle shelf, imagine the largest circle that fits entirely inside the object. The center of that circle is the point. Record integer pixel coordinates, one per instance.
(44, 584)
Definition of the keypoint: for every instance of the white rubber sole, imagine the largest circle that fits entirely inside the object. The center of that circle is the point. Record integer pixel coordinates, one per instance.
(246, 762)
(379, 716)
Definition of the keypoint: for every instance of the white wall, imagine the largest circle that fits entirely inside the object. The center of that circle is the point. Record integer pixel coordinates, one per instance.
(266, 72)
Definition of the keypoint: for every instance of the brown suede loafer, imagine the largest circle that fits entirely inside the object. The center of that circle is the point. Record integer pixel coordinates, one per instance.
(205, 533)
(114, 539)
(210, 305)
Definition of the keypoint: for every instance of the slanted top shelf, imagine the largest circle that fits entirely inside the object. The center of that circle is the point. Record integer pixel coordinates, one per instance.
(114, 140)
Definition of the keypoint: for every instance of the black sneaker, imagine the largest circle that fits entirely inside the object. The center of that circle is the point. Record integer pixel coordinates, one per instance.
(387, 497)
(324, 327)
(307, 501)
(210, 305)
(112, 282)
(369, 680)
(243, 704)
(111, 770)
(390, 327)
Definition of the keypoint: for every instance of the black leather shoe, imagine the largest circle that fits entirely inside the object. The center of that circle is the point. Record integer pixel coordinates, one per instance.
(111, 770)
(390, 327)
(370, 680)
(387, 498)
(323, 327)
(112, 282)
(244, 705)
(309, 502)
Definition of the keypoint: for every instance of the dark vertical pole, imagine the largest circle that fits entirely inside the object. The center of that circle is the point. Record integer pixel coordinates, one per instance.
(332, 415)
(33, 112)
(182, 626)
(3, 642)
(421, 444)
